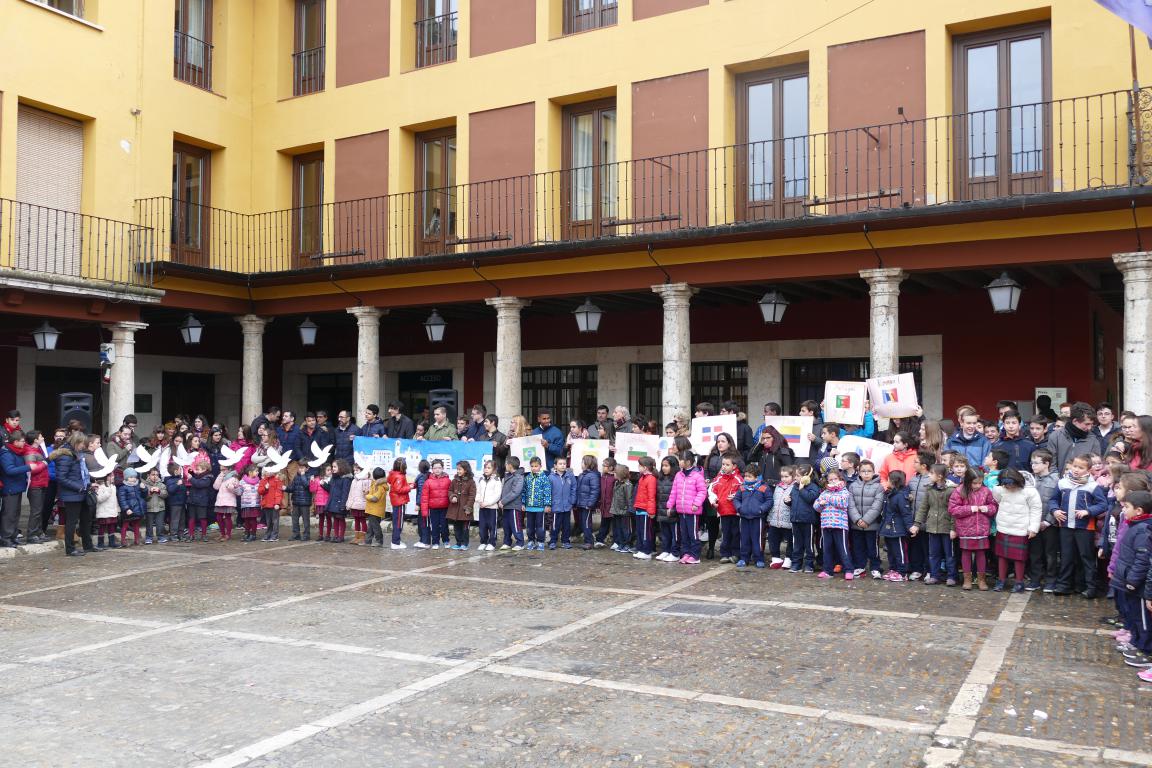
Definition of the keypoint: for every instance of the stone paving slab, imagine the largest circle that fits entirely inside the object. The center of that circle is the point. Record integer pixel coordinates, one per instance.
(868, 593)
(52, 570)
(23, 635)
(438, 617)
(895, 668)
(1001, 756)
(485, 720)
(192, 591)
(1073, 611)
(1081, 684)
(596, 568)
(318, 553)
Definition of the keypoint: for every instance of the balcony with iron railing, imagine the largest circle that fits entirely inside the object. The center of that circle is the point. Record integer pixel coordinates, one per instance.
(1086, 145)
(48, 244)
(436, 40)
(192, 61)
(308, 71)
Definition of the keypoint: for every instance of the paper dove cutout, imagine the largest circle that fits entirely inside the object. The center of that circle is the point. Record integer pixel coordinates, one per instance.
(321, 455)
(231, 455)
(150, 459)
(277, 462)
(183, 458)
(107, 464)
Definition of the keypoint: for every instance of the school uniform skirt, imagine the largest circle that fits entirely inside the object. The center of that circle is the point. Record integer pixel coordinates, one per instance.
(974, 542)
(250, 513)
(1011, 547)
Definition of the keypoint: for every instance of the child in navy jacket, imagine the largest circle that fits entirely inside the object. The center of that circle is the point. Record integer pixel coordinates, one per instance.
(752, 502)
(563, 499)
(177, 502)
(130, 496)
(803, 515)
(1129, 581)
(895, 520)
(1078, 504)
(587, 497)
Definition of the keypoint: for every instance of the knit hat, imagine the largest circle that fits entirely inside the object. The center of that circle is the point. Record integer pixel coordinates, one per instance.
(129, 473)
(828, 463)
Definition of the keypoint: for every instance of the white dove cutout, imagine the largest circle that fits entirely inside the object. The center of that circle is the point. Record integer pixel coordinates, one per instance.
(277, 462)
(231, 455)
(106, 462)
(150, 459)
(321, 455)
(183, 458)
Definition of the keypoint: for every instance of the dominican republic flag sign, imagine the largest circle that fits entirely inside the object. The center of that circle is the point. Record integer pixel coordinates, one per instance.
(844, 402)
(893, 396)
(706, 429)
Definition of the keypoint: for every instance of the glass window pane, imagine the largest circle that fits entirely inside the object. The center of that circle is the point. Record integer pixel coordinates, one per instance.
(311, 34)
(608, 184)
(581, 162)
(795, 118)
(1026, 91)
(760, 127)
(981, 99)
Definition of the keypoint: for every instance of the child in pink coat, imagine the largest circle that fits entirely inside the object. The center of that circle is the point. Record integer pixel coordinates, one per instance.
(318, 485)
(689, 490)
(973, 507)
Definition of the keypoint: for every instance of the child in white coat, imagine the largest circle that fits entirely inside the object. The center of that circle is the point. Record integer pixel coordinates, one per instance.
(1017, 521)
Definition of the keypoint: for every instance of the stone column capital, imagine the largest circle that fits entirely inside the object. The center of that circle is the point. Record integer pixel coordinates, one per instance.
(1134, 266)
(884, 278)
(506, 305)
(675, 293)
(366, 315)
(252, 324)
(125, 329)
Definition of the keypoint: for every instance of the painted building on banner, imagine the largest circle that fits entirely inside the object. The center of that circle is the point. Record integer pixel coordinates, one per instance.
(328, 203)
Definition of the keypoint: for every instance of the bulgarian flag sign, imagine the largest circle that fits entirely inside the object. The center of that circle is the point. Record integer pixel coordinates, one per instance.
(795, 430)
(630, 448)
(844, 401)
(893, 396)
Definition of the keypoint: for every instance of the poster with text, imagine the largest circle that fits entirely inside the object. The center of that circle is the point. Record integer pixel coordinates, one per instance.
(630, 448)
(584, 447)
(844, 401)
(795, 430)
(705, 429)
(893, 397)
(372, 452)
(873, 450)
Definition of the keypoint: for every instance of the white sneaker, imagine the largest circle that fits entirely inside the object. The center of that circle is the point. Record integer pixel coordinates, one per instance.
(401, 545)
(642, 556)
(777, 562)
(517, 548)
(598, 545)
(662, 556)
(857, 573)
(787, 563)
(615, 547)
(397, 546)
(504, 547)
(914, 576)
(420, 545)
(435, 546)
(877, 575)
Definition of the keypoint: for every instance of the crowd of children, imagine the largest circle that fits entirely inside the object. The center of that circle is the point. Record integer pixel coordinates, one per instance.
(1063, 506)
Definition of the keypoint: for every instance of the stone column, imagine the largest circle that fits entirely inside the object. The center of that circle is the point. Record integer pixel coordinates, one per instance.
(1137, 357)
(676, 392)
(252, 389)
(367, 357)
(884, 319)
(122, 385)
(508, 363)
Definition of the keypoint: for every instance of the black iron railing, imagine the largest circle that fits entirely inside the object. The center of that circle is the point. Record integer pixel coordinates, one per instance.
(52, 242)
(436, 40)
(192, 61)
(308, 71)
(1071, 145)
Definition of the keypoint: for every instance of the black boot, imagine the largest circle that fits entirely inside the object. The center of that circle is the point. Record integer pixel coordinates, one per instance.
(112, 542)
(711, 553)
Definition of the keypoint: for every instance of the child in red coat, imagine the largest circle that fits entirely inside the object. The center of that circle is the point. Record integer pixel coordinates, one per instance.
(723, 489)
(399, 493)
(973, 507)
(271, 492)
(644, 506)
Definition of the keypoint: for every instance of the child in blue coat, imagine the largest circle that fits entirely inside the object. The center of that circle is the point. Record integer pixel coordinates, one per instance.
(130, 496)
(803, 516)
(895, 520)
(587, 498)
(563, 499)
(1130, 579)
(752, 502)
(1078, 505)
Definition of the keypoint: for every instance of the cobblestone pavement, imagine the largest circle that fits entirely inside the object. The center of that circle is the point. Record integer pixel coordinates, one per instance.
(315, 655)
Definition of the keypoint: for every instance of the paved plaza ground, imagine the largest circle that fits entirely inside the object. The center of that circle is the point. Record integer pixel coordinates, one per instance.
(317, 655)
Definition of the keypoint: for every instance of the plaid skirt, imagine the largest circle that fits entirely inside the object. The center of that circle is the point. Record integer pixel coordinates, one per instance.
(1011, 547)
(973, 542)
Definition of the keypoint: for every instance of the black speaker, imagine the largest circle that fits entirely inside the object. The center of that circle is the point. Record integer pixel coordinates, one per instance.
(449, 398)
(78, 406)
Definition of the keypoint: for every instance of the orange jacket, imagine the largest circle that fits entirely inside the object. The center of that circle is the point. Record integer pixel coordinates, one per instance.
(905, 461)
(646, 494)
(271, 491)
